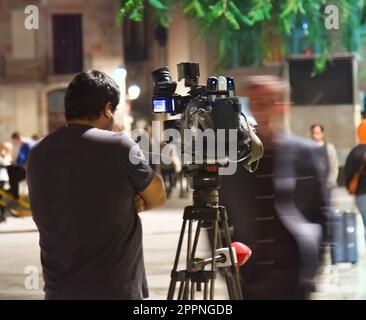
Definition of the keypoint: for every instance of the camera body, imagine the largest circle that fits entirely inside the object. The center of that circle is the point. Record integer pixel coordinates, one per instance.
(214, 107)
(165, 100)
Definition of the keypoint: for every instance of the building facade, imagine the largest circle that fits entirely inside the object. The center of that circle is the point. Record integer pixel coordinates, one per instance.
(74, 35)
(36, 65)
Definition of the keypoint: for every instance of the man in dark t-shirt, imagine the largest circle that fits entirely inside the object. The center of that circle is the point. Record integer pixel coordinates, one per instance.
(86, 186)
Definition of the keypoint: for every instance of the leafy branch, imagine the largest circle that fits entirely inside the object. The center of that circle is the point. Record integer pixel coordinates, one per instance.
(255, 31)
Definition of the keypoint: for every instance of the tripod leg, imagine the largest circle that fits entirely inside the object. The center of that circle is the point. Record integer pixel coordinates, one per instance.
(236, 287)
(171, 291)
(193, 290)
(180, 292)
(193, 253)
(205, 290)
(173, 280)
(230, 286)
(235, 270)
(189, 245)
(186, 289)
(228, 278)
(195, 242)
(213, 265)
(226, 274)
(189, 249)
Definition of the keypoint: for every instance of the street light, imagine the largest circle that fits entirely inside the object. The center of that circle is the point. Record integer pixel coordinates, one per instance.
(122, 115)
(133, 92)
(120, 74)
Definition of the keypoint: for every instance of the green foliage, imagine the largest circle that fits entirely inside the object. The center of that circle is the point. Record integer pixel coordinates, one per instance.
(251, 32)
(158, 4)
(133, 9)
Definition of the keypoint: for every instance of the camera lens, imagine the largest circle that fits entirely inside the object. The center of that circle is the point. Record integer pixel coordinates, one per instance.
(161, 75)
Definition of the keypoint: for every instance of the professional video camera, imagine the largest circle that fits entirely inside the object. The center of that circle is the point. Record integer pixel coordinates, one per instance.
(213, 107)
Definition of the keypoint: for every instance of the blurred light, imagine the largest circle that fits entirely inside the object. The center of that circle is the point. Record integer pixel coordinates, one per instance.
(133, 92)
(120, 74)
(304, 25)
(308, 52)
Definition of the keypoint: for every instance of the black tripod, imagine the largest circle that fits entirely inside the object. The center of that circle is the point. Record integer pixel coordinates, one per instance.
(207, 214)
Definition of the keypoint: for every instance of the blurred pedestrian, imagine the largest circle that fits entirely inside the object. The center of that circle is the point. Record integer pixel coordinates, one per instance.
(153, 145)
(327, 163)
(5, 161)
(355, 168)
(16, 170)
(273, 209)
(170, 166)
(326, 159)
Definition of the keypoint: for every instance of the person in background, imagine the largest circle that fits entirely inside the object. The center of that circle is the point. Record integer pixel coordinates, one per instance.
(356, 161)
(275, 210)
(5, 161)
(16, 170)
(170, 166)
(153, 145)
(327, 160)
(327, 164)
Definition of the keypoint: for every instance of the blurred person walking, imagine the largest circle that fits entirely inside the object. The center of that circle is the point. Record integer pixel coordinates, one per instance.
(87, 185)
(276, 210)
(355, 172)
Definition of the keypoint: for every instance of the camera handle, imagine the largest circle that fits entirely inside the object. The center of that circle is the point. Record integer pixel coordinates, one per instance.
(191, 279)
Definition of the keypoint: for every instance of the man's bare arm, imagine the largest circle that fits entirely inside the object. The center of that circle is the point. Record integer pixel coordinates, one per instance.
(154, 195)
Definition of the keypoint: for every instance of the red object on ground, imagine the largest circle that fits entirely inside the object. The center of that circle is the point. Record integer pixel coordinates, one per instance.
(243, 252)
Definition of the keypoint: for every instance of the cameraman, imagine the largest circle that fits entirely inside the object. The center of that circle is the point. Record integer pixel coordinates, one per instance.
(85, 193)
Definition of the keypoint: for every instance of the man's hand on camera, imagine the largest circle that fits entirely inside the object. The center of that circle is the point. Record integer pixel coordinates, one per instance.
(139, 203)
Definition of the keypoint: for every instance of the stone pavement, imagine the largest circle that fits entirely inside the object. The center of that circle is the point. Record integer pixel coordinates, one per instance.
(19, 248)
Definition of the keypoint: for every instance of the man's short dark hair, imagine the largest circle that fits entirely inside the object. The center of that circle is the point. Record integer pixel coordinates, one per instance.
(313, 126)
(88, 93)
(15, 136)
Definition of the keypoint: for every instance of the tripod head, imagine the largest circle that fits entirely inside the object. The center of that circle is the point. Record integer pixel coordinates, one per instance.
(205, 183)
